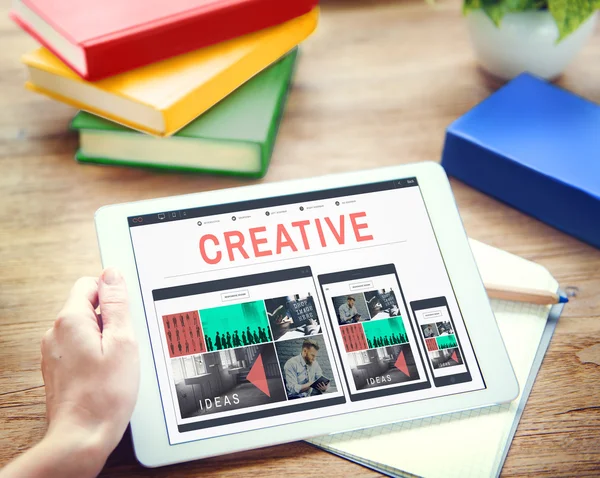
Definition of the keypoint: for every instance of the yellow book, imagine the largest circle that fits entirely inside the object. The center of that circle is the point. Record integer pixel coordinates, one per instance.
(163, 97)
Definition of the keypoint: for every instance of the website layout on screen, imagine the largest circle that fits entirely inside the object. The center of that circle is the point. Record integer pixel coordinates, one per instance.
(286, 309)
(371, 326)
(443, 345)
(442, 348)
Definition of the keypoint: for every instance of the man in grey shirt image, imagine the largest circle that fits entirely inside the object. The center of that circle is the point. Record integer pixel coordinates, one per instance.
(348, 312)
(301, 371)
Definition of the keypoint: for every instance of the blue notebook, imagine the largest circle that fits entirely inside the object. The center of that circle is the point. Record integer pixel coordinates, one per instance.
(536, 147)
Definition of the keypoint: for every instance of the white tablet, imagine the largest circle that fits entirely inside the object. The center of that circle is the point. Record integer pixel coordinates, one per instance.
(282, 311)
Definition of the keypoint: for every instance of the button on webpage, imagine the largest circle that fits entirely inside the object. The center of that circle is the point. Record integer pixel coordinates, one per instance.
(361, 285)
(235, 295)
(432, 315)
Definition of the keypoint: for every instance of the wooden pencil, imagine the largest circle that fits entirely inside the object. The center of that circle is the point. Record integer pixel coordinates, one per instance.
(533, 296)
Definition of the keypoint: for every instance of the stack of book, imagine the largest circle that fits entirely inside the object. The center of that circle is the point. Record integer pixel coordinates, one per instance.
(197, 85)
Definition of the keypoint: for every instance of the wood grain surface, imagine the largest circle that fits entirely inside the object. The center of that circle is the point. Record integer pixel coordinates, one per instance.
(376, 85)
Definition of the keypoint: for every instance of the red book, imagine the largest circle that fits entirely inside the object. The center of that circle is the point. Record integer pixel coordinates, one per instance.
(102, 38)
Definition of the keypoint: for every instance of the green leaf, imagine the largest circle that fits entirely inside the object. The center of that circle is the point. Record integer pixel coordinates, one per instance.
(495, 11)
(570, 14)
(523, 5)
(470, 5)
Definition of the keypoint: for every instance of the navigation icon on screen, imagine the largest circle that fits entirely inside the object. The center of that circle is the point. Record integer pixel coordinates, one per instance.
(161, 216)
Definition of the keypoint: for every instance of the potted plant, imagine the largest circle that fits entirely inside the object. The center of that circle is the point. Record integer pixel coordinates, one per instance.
(537, 36)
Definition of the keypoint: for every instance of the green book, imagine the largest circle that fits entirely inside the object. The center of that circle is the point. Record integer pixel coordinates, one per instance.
(236, 136)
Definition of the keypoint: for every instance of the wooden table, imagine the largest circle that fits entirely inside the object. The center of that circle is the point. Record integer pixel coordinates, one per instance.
(376, 85)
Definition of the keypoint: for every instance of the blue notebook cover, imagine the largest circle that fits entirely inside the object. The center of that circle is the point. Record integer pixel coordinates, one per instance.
(535, 147)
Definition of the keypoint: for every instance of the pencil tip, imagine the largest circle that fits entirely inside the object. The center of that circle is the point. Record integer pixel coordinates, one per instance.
(563, 299)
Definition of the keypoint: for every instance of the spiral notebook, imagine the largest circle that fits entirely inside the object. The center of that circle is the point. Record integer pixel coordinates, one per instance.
(473, 443)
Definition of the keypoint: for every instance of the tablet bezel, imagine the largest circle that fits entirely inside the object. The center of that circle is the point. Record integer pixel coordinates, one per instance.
(148, 425)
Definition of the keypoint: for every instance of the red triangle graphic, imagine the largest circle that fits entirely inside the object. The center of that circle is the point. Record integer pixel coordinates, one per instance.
(454, 357)
(257, 376)
(401, 364)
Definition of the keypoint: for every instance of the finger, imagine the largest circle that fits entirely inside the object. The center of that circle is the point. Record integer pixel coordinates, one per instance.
(84, 294)
(47, 341)
(114, 304)
(81, 303)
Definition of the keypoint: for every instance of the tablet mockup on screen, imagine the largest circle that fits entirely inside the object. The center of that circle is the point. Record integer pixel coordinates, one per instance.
(278, 312)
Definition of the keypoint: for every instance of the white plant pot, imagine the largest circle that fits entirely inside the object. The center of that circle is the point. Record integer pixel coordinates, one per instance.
(525, 41)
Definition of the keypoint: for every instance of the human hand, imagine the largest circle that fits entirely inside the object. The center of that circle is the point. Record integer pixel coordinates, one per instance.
(90, 367)
(312, 327)
(90, 362)
(307, 386)
(322, 387)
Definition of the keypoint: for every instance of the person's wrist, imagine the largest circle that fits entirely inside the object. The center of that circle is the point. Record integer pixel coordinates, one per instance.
(84, 450)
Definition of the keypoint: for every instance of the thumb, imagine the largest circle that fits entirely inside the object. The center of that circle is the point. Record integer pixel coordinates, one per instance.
(113, 302)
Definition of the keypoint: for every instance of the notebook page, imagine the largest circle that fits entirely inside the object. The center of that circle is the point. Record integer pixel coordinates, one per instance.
(503, 268)
(461, 444)
(468, 443)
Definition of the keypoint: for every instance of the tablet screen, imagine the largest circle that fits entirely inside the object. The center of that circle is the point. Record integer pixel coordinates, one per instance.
(280, 310)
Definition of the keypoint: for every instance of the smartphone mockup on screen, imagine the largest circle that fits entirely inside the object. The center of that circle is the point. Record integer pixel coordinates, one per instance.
(440, 341)
(373, 332)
